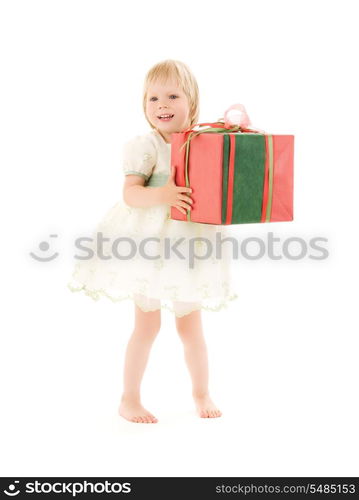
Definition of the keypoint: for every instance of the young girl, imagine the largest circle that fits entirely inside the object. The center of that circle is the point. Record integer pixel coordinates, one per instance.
(152, 281)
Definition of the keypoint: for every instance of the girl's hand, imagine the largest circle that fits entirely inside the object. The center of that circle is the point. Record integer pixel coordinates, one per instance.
(172, 194)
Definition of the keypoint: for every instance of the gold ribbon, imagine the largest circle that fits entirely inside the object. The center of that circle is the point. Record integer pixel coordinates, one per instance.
(270, 178)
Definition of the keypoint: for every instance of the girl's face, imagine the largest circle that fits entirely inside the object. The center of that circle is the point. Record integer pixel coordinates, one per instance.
(167, 99)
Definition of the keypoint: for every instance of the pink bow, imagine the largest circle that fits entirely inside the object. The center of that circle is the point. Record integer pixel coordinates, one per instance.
(236, 115)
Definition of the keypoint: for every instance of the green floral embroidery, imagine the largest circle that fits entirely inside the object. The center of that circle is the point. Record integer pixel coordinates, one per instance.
(204, 290)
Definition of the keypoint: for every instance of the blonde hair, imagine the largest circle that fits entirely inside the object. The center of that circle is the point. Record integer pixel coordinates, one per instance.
(180, 72)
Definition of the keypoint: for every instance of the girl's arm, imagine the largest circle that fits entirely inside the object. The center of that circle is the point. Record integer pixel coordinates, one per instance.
(135, 194)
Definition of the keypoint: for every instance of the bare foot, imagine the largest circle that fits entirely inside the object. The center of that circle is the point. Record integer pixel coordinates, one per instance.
(206, 408)
(135, 412)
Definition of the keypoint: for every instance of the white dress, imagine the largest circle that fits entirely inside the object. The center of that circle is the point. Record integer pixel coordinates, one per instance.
(158, 272)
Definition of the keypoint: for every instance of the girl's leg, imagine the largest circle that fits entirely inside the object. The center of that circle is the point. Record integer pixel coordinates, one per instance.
(189, 328)
(147, 326)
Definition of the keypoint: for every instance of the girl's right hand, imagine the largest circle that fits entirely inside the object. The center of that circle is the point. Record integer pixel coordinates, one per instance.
(174, 195)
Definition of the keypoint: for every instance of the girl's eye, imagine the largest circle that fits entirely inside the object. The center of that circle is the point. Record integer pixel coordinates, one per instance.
(172, 95)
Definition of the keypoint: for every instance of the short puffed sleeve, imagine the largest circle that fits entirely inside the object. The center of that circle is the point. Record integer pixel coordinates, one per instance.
(139, 156)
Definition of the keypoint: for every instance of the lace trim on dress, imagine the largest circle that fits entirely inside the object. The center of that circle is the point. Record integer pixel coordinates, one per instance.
(97, 294)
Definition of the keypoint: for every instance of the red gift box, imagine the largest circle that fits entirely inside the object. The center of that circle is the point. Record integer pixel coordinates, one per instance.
(237, 176)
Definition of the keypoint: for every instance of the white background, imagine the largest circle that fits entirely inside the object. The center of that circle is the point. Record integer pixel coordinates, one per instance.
(284, 356)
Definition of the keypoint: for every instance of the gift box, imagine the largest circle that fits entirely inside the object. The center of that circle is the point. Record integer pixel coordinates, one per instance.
(237, 175)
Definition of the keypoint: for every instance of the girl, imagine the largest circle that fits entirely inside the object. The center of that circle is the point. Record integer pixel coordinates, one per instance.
(154, 281)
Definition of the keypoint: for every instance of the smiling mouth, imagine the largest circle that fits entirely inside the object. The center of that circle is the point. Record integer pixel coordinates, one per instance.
(165, 117)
